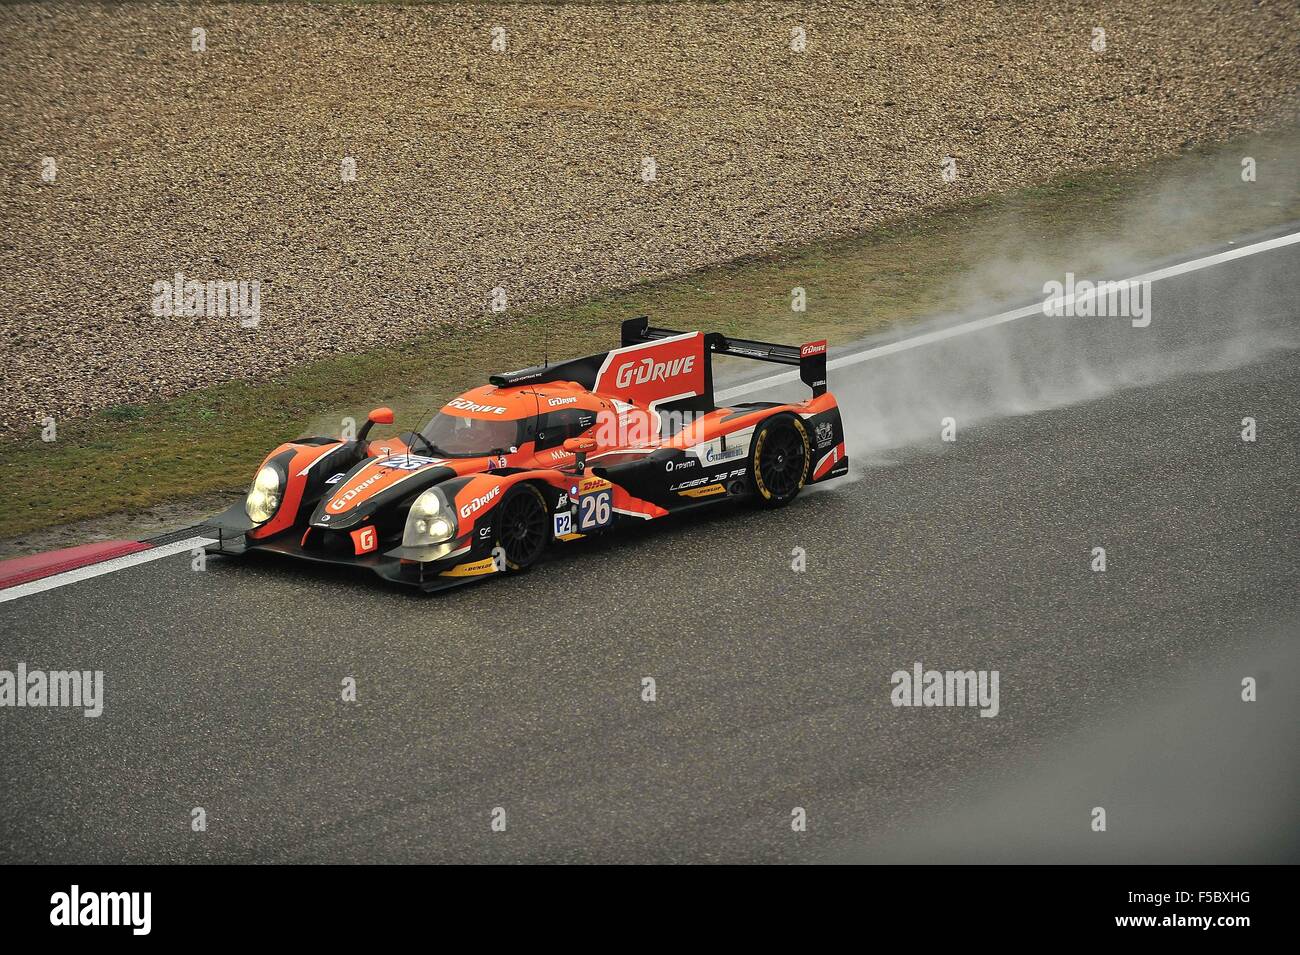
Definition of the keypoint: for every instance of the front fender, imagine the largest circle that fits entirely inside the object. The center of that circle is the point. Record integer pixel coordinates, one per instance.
(474, 499)
(304, 466)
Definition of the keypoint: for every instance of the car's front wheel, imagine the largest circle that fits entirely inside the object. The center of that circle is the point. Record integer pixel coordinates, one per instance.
(522, 526)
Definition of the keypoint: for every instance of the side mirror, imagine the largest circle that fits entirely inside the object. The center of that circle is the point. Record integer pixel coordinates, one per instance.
(378, 416)
(580, 447)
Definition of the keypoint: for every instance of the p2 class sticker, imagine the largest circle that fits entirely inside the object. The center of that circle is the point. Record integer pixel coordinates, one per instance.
(563, 523)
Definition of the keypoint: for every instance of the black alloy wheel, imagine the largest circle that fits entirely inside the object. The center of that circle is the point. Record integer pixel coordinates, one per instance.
(523, 526)
(780, 460)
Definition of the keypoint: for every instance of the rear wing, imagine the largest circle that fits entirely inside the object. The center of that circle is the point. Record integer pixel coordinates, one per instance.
(664, 369)
(810, 357)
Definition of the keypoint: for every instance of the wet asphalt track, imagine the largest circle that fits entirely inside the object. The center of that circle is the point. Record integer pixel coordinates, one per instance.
(773, 687)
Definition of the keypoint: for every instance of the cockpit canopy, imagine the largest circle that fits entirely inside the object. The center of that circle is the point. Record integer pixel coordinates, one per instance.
(454, 435)
(491, 420)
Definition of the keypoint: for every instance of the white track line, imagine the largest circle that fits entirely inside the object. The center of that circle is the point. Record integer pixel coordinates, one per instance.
(104, 567)
(965, 328)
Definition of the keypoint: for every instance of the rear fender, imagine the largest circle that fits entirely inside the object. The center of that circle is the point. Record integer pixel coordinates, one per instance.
(826, 431)
(707, 437)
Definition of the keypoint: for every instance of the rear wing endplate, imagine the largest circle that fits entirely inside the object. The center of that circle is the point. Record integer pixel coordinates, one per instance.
(810, 357)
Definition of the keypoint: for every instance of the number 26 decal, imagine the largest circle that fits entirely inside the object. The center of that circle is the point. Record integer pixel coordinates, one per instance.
(594, 510)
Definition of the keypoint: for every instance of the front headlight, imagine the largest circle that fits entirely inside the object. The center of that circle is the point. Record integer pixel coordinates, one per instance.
(430, 520)
(264, 496)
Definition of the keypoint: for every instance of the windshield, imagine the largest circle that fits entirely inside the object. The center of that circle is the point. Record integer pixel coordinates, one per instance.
(470, 437)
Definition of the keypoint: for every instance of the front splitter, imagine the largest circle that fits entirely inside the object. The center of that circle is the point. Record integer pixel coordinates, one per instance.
(426, 577)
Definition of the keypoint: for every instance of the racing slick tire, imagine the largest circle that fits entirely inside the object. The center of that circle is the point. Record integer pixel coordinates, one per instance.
(779, 460)
(523, 526)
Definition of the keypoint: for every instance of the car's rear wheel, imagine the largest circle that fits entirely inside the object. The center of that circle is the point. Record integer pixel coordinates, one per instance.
(779, 460)
(522, 526)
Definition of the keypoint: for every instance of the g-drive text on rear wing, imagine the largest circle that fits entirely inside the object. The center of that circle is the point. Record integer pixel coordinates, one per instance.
(810, 357)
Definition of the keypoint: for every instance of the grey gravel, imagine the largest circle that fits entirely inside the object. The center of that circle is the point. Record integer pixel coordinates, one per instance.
(522, 169)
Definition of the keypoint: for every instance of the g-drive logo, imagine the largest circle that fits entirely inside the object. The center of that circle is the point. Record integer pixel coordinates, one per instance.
(647, 370)
(103, 908)
(478, 503)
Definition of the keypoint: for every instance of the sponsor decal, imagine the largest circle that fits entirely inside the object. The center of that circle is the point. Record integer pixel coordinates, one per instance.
(587, 485)
(478, 503)
(715, 455)
(812, 348)
(825, 434)
(343, 500)
(334, 478)
(464, 404)
(648, 373)
(485, 566)
(563, 501)
(707, 491)
(560, 455)
(484, 533)
(557, 402)
(681, 465)
(642, 371)
(364, 540)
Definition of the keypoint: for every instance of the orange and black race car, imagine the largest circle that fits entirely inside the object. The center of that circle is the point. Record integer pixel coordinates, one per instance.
(542, 455)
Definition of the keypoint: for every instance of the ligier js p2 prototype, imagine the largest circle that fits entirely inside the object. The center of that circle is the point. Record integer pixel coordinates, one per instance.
(540, 456)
